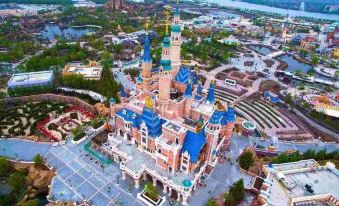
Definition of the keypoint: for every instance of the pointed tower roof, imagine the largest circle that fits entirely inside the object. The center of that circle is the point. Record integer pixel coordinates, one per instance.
(147, 50)
(122, 92)
(199, 89)
(188, 91)
(210, 96)
(152, 121)
(177, 11)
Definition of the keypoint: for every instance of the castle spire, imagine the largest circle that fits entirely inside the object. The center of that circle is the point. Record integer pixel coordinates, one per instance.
(210, 96)
(147, 49)
(177, 12)
(167, 13)
(188, 91)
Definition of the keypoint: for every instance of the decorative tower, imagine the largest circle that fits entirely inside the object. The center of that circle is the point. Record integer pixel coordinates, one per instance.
(200, 124)
(176, 41)
(165, 74)
(198, 95)
(210, 96)
(146, 63)
(213, 133)
(189, 99)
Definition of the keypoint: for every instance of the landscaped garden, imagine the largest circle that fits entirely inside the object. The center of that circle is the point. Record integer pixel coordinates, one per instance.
(57, 127)
(53, 120)
(22, 120)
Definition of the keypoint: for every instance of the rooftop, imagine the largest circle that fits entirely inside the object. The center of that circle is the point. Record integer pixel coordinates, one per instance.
(301, 179)
(31, 78)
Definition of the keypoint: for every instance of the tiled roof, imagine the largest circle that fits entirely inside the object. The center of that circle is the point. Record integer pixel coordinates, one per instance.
(183, 75)
(193, 144)
(122, 92)
(153, 122)
(210, 95)
(147, 50)
(130, 116)
(188, 91)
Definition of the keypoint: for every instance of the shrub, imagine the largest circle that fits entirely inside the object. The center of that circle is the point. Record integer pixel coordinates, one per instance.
(5, 167)
(246, 160)
(38, 160)
(16, 181)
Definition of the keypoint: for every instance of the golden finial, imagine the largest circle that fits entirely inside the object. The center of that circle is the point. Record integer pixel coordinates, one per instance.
(219, 106)
(147, 24)
(167, 14)
(213, 81)
(148, 102)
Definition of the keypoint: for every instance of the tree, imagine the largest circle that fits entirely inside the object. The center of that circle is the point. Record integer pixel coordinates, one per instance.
(211, 202)
(38, 160)
(228, 199)
(315, 60)
(16, 181)
(288, 99)
(309, 154)
(238, 191)
(320, 155)
(5, 167)
(246, 160)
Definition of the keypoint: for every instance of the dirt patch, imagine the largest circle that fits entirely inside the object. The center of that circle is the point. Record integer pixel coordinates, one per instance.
(282, 66)
(270, 85)
(269, 62)
(248, 63)
(221, 76)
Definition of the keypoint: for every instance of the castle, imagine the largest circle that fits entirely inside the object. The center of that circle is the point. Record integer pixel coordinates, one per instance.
(170, 131)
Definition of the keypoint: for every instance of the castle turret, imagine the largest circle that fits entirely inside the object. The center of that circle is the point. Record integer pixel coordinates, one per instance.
(146, 65)
(165, 73)
(213, 133)
(210, 96)
(189, 99)
(176, 42)
(200, 124)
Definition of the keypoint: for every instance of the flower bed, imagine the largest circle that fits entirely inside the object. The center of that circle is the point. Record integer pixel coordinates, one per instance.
(146, 197)
(52, 131)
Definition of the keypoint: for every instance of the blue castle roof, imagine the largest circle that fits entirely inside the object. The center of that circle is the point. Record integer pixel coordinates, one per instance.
(122, 92)
(193, 144)
(217, 116)
(231, 114)
(177, 11)
(210, 95)
(199, 89)
(130, 116)
(183, 75)
(147, 51)
(153, 122)
(188, 91)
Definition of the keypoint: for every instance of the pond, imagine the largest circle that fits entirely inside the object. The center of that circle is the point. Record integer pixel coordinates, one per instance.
(51, 31)
(294, 64)
(263, 50)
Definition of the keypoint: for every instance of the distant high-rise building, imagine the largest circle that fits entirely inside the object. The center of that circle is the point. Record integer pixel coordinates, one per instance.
(114, 5)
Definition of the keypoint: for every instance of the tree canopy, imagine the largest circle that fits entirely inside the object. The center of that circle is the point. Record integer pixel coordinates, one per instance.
(246, 160)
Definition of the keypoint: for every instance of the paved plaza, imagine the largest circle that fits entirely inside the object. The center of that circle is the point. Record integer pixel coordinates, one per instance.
(80, 178)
